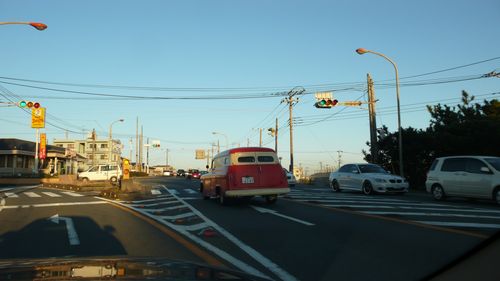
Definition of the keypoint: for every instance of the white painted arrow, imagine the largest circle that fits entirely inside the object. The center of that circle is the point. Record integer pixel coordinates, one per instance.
(70, 228)
(273, 212)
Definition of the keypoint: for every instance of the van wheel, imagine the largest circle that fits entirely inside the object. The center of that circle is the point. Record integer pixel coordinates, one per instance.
(113, 180)
(271, 199)
(85, 180)
(438, 192)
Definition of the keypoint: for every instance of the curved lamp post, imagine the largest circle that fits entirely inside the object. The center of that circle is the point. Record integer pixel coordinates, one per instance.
(37, 25)
(362, 51)
(110, 145)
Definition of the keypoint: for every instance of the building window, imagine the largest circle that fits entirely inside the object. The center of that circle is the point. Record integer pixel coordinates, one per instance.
(104, 145)
(10, 161)
(71, 145)
(92, 145)
(19, 161)
(104, 157)
(2, 160)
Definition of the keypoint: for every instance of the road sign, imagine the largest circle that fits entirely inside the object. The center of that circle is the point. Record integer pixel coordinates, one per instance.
(200, 154)
(43, 146)
(351, 103)
(38, 117)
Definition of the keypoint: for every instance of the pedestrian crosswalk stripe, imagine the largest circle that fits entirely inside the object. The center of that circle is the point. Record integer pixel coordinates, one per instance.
(11, 195)
(51, 194)
(155, 192)
(190, 191)
(74, 194)
(31, 194)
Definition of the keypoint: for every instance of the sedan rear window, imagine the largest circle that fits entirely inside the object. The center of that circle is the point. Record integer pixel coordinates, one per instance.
(246, 159)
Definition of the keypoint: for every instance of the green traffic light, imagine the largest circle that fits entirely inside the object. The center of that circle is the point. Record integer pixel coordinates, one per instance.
(322, 102)
(22, 104)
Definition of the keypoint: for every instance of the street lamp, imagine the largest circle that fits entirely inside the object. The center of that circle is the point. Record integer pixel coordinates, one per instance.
(362, 51)
(37, 25)
(110, 141)
(227, 142)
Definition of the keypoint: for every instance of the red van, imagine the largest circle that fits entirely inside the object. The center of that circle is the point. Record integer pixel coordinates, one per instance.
(245, 172)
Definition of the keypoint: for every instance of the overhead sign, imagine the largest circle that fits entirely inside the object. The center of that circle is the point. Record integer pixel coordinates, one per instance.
(38, 117)
(43, 146)
(200, 154)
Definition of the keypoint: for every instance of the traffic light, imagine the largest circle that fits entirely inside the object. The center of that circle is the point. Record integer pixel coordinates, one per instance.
(28, 104)
(326, 103)
(272, 131)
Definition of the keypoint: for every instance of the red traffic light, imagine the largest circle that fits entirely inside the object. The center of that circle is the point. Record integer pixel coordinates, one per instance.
(334, 102)
(36, 105)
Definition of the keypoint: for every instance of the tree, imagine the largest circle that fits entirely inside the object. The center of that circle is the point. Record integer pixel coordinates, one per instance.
(467, 129)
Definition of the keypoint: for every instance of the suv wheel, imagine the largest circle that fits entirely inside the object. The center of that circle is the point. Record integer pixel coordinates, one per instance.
(438, 192)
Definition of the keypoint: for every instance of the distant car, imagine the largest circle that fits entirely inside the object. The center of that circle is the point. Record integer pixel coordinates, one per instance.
(465, 176)
(181, 173)
(193, 174)
(110, 173)
(367, 178)
(203, 173)
(290, 178)
(168, 173)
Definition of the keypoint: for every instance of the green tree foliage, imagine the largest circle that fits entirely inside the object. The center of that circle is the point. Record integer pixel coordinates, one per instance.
(466, 129)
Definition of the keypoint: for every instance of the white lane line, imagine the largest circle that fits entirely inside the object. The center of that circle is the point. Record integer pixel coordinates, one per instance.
(462, 224)
(31, 194)
(281, 273)
(54, 204)
(386, 203)
(51, 194)
(411, 208)
(158, 198)
(190, 191)
(430, 214)
(74, 194)
(162, 209)
(70, 228)
(6, 189)
(154, 204)
(173, 191)
(221, 253)
(11, 195)
(273, 212)
(155, 192)
(190, 198)
(176, 217)
(195, 227)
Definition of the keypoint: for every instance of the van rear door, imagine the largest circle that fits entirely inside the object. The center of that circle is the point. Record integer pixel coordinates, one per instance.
(270, 170)
(244, 171)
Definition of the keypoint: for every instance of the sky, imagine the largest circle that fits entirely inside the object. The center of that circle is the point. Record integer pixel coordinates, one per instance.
(186, 69)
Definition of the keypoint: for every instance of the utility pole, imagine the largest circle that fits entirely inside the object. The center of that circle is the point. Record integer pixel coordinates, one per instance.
(291, 100)
(130, 155)
(147, 155)
(260, 137)
(93, 147)
(137, 144)
(141, 143)
(276, 137)
(339, 152)
(373, 121)
(166, 159)
(218, 146)
(248, 142)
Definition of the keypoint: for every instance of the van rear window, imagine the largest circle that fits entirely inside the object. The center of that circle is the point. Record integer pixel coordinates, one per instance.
(265, 158)
(246, 159)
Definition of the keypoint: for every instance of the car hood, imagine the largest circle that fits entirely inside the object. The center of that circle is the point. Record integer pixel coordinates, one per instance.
(114, 268)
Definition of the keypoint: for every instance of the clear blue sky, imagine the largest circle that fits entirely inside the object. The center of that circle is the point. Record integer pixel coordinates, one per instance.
(265, 46)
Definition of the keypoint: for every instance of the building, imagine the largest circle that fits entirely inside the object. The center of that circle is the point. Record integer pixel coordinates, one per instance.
(17, 159)
(95, 151)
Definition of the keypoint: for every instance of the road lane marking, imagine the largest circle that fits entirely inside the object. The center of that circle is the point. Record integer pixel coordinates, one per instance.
(11, 195)
(462, 224)
(158, 198)
(51, 194)
(54, 204)
(70, 228)
(363, 202)
(176, 217)
(190, 191)
(164, 209)
(411, 208)
(31, 194)
(74, 194)
(281, 273)
(429, 214)
(414, 223)
(173, 192)
(155, 192)
(154, 204)
(273, 212)
(195, 227)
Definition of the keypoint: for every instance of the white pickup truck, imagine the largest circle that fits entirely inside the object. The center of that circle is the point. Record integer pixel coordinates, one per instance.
(110, 173)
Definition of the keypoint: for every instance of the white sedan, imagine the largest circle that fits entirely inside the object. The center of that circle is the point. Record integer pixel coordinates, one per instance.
(367, 178)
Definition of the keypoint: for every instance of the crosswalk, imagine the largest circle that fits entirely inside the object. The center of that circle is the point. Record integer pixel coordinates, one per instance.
(446, 214)
(185, 193)
(38, 194)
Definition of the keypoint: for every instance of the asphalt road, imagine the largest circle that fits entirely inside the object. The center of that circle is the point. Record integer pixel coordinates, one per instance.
(310, 234)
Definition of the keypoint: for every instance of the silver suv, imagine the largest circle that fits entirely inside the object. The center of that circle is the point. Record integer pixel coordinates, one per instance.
(465, 176)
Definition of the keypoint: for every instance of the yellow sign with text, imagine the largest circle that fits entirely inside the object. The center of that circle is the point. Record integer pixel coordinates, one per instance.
(38, 117)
